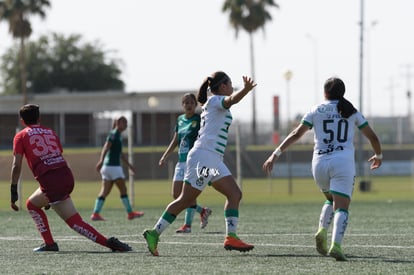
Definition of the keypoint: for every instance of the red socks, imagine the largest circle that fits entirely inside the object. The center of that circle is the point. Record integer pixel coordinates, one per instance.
(40, 220)
(76, 223)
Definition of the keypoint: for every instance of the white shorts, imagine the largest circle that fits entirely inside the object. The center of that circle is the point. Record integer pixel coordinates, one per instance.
(179, 171)
(204, 167)
(111, 173)
(335, 175)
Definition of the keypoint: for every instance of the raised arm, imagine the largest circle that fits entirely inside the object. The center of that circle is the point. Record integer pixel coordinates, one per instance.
(235, 97)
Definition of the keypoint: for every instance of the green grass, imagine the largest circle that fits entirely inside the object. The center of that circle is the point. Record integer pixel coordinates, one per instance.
(379, 238)
(150, 193)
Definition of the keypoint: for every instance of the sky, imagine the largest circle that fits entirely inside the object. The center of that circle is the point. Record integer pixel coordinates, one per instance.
(174, 45)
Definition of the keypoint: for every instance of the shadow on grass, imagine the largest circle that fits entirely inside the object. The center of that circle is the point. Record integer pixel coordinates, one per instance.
(88, 252)
(290, 255)
(213, 232)
(380, 259)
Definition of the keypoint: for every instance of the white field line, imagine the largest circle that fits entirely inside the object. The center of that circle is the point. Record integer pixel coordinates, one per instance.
(140, 240)
(76, 236)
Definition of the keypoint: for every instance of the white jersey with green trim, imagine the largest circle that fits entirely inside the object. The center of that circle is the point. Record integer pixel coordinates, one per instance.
(333, 134)
(214, 126)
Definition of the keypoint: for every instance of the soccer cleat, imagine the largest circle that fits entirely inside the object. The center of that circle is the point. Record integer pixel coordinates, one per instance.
(321, 241)
(135, 214)
(205, 213)
(97, 217)
(152, 238)
(184, 229)
(117, 246)
(336, 252)
(232, 243)
(47, 247)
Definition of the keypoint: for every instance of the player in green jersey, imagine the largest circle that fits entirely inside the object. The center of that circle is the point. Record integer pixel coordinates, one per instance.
(109, 166)
(186, 131)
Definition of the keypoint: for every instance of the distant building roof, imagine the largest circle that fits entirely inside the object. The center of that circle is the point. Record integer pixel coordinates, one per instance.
(89, 102)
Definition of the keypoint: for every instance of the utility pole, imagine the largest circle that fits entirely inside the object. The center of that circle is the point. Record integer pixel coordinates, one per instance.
(408, 76)
(391, 87)
(314, 42)
(288, 76)
(252, 67)
(361, 77)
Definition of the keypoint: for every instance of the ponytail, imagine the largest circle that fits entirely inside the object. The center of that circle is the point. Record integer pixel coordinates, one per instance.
(345, 108)
(202, 92)
(214, 83)
(335, 90)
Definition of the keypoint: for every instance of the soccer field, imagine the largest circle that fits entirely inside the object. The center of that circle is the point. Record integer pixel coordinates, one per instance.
(379, 239)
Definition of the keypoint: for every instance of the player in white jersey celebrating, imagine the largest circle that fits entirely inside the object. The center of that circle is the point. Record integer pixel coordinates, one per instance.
(205, 161)
(185, 134)
(333, 163)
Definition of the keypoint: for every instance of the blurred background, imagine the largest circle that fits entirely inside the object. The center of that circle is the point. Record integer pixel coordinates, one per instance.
(85, 62)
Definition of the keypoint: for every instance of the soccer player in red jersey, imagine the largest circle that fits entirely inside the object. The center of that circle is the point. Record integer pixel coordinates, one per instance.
(43, 151)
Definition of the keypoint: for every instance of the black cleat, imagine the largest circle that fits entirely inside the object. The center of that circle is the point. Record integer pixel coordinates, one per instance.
(117, 246)
(47, 247)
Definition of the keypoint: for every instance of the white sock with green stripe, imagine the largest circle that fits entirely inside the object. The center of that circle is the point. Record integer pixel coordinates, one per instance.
(339, 225)
(232, 219)
(326, 216)
(164, 221)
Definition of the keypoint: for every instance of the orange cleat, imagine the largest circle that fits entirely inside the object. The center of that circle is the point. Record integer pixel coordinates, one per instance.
(232, 243)
(97, 217)
(184, 229)
(135, 214)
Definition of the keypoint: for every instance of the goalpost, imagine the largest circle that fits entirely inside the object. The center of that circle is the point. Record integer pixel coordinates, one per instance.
(131, 160)
(238, 157)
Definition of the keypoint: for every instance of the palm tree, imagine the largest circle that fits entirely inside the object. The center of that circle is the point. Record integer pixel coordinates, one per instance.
(16, 13)
(249, 15)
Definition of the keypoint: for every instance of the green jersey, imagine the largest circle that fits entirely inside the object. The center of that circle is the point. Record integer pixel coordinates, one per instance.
(113, 156)
(187, 131)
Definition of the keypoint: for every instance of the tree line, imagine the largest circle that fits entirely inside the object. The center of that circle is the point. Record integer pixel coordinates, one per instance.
(55, 62)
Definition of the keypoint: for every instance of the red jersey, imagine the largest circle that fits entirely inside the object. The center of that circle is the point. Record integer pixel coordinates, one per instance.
(41, 147)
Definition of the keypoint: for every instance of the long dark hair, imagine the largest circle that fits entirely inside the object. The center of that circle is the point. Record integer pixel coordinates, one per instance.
(335, 90)
(214, 81)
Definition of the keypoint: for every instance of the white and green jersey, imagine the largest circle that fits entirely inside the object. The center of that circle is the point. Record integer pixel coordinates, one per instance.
(215, 123)
(333, 134)
(187, 131)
